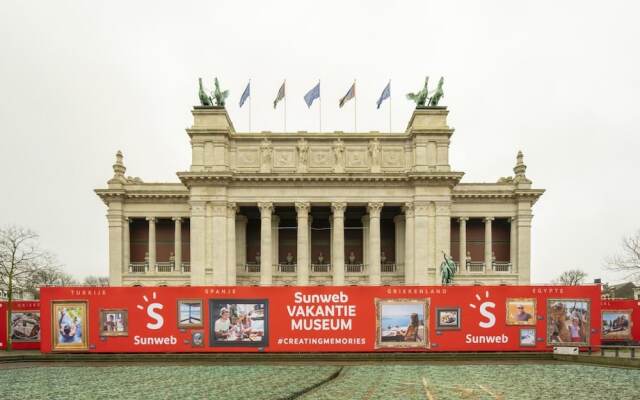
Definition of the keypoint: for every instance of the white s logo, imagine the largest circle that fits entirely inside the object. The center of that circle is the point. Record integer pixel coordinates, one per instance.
(151, 312)
(487, 314)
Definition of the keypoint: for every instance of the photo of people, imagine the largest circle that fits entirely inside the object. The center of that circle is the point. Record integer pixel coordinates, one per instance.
(402, 323)
(521, 312)
(197, 339)
(527, 337)
(69, 322)
(114, 323)
(25, 326)
(568, 322)
(190, 314)
(447, 318)
(616, 325)
(238, 322)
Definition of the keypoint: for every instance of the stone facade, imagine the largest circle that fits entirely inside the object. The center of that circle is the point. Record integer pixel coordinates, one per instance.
(302, 208)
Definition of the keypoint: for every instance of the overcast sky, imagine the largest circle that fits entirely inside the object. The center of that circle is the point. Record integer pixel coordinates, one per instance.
(559, 80)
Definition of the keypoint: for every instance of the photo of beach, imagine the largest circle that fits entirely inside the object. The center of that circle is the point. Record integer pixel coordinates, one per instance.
(401, 323)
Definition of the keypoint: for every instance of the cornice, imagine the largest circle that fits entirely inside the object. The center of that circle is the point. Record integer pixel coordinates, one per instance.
(191, 178)
(108, 195)
(516, 194)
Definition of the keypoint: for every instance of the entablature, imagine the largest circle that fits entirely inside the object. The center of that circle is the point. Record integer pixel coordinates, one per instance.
(492, 191)
(145, 192)
(449, 179)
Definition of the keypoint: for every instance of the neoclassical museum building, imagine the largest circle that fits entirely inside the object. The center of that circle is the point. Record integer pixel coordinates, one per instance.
(330, 208)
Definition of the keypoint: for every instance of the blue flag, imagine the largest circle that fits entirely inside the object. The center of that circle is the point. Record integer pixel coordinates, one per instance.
(312, 95)
(386, 93)
(245, 94)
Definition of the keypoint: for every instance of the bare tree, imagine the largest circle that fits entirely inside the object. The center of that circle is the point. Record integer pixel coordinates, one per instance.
(627, 260)
(20, 260)
(100, 281)
(51, 275)
(572, 277)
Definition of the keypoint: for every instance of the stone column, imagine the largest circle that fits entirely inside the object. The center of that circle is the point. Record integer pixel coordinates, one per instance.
(420, 258)
(365, 241)
(232, 210)
(374, 242)
(442, 234)
(329, 257)
(197, 224)
(409, 232)
(219, 243)
(513, 245)
(398, 221)
(302, 230)
(208, 244)
(488, 245)
(463, 244)
(241, 241)
(114, 219)
(126, 245)
(177, 244)
(275, 241)
(152, 244)
(431, 246)
(337, 251)
(524, 247)
(309, 223)
(266, 209)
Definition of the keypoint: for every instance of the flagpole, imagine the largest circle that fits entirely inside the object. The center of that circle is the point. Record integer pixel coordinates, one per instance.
(320, 105)
(250, 105)
(355, 107)
(389, 105)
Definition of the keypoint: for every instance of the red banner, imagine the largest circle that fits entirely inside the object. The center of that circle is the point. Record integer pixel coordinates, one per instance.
(24, 322)
(320, 319)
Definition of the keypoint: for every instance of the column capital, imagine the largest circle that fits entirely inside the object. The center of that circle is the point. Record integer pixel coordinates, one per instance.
(463, 219)
(302, 208)
(266, 209)
(488, 219)
(442, 207)
(423, 208)
(338, 208)
(151, 219)
(218, 209)
(374, 208)
(398, 218)
(198, 208)
(241, 218)
(232, 209)
(177, 219)
(408, 209)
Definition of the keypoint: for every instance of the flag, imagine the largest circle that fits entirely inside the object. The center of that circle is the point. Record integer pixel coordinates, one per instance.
(350, 95)
(312, 95)
(245, 94)
(280, 95)
(386, 93)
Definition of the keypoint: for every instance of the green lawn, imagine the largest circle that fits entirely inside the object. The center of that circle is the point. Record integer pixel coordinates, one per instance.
(159, 382)
(491, 381)
(376, 381)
